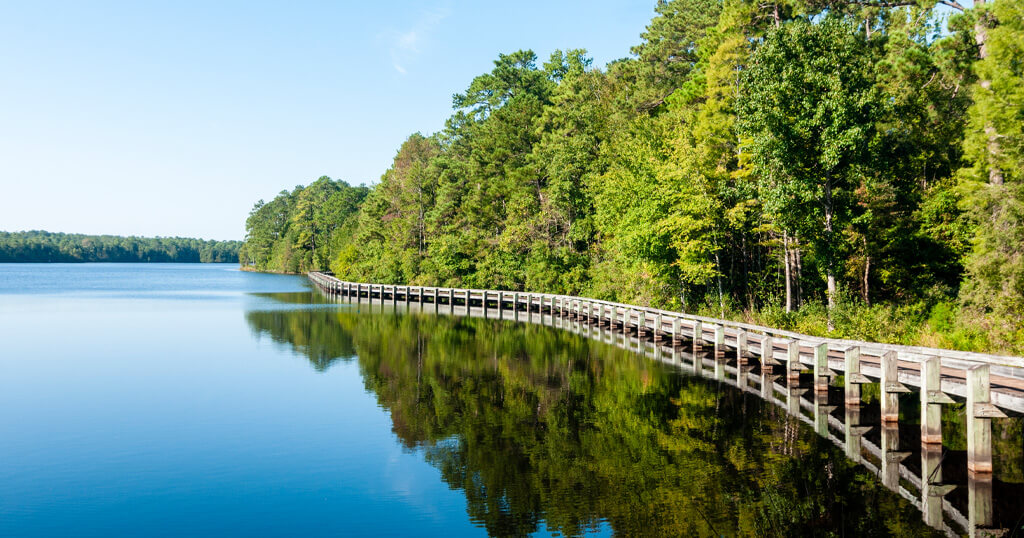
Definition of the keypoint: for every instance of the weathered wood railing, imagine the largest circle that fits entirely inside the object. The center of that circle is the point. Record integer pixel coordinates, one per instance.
(988, 383)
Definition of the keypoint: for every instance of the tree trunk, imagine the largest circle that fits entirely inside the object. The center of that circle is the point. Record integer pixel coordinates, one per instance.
(798, 277)
(789, 272)
(867, 271)
(830, 265)
(721, 301)
(995, 173)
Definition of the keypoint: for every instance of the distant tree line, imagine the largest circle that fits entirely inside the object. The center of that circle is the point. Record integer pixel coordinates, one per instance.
(40, 246)
(851, 167)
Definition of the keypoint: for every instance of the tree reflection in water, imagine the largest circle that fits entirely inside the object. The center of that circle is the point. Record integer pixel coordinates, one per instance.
(539, 426)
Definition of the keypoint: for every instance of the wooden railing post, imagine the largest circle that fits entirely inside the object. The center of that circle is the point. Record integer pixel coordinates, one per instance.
(979, 419)
(822, 374)
(768, 353)
(852, 378)
(891, 387)
(741, 348)
(932, 399)
(793, 365)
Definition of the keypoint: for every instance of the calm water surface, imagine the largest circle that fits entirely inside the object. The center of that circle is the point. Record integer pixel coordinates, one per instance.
(175, 400)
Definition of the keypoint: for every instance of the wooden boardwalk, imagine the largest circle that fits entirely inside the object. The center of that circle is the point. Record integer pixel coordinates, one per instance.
(771, 362)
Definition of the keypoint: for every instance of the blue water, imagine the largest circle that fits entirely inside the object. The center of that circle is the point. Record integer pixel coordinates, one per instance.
(136, 400)
(199, 400)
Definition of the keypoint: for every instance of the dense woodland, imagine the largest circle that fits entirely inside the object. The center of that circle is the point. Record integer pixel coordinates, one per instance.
(38, 246)
(850, 167)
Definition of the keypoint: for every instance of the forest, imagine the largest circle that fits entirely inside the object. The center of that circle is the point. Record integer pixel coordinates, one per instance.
(39, 246)
(844, 167)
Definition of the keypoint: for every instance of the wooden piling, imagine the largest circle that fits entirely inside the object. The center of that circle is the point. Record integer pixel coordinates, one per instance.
(793, 365)
(768, 353)
(979, 420)
(852, 378)
(932, 399)
(821, 370)
(891, 387)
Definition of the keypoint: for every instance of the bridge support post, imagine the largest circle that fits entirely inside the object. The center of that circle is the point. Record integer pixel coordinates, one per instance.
(891, 387)
(979, 420)
(698, 336)
(793, 365)
(677, 331)
(932, 399)
(852, 377)
(768, 353)
(741, 348)
(659, 322)
(719, 341)
(821, 371)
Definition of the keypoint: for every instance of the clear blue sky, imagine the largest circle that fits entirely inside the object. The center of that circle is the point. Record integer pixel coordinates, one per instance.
(173, 118)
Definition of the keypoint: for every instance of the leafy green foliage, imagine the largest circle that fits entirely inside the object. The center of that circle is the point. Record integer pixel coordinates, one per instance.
(994, 183)
(299, 231)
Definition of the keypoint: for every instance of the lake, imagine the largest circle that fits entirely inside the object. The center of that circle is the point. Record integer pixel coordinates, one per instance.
(181, 399)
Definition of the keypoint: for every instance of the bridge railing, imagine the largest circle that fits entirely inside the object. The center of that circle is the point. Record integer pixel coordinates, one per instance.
(988, 383)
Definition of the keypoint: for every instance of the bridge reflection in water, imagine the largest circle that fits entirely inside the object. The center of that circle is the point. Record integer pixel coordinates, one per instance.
(800, 378)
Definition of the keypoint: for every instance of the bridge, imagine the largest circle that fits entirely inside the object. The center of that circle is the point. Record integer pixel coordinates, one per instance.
(771, 362)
